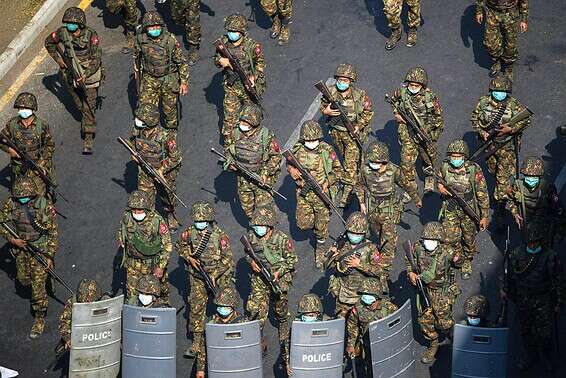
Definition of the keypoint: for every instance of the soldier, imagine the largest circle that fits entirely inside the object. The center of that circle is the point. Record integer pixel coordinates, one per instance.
(148, 295)
(466, 178)
(421, 103)
(476, 309)
(256, 149)
(310, 309)
(204, 246)
(500, 107)
(32, 135)
(280, 12)
(227, 303)
(501, 31)
(77, 44)
(319, 158)
(360, 112)
(161, 69)
(146, 242)
(392, 10)
(34, 219)
(435, 261)
(250, 56)
(159, 149)
(187, 12)
(377, 194)
(130, 13)
(277, 253)
(535, 285)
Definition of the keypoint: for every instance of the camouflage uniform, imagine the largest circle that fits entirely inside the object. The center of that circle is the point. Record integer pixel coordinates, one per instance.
(360, 112)
(210, 247)
(163, 69)
(187, 12)
(322, 164)
(146, 244)
(88, 53)
(436, 273)
(36, 223)
(502, 163)
(476, 307)
(158, 148)
(468, 181)
(392, 10)
(424, 105)
(377, 192)
(250, 55)
(277, 253)
(148, 285)
(130, 12)
(258, 151)
(33, 136)
(280, 12)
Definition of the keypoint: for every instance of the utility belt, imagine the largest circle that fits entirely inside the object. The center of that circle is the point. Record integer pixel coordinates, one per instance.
(452, 204)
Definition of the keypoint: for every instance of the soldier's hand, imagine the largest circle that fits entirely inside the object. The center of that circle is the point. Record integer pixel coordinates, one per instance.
(412, 278)
(479, 18)
(363, 208)
(518, 220)
(255, 267)
(353, 261)
(328, 111)
(294, 172)
(325, 187)
(442, 190)
(289, 371)
(419, 203)
(194, 262)
(399, 119)
(252, 80)
(264, 178)
(62, 64)
(68, 345)
(484, 135)
(505, 129)
(13, 154)
(200, 374)
(20, 243)
(276, 276)
(158, 273)
(232, 167)
(523, 26)
(49, 263)
(183, 89)
(225, 63)
(351, 351)
(484, 222)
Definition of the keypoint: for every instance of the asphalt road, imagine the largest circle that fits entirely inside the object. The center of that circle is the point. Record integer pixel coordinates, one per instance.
(449, 47)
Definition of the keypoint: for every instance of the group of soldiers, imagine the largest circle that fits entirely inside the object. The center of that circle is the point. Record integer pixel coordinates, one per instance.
(328, 177)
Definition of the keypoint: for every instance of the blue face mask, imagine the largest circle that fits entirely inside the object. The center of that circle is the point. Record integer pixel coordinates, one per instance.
(24, 200)
(456, 163)
(534, 250)
(309, 318)
(355, 238)
(154, 32)
(499, 95)
(233, 36)
(368, 299)
(25, 113)
(260, 230)
(342, 86)
(201, 225)
(72, 27)
(224, 311)
(531, 181)
(474, 321)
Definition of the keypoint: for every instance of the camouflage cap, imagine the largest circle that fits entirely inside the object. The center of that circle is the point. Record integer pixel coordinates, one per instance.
(501, 83)
(433, 231)
(202, 211)
(458, 146)
(152, 18)
(346, 70)
(139, 200)
(309, 303)
(263, 216)
(371, 286)
(377, 152)
(74, 15)
(417, 75)
(149, 284)
(23, 187)
(533, 166)
(88, 291)
(476, 306)
(310, 130)
(357, 223)
(26, 100)
(236, 22)
(148, 114)
(252, 114)
(228, 297)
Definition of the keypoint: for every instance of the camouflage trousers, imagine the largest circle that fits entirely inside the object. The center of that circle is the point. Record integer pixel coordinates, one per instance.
(383, 223)
(251, 196)
(439, 317)
(312, 213)
(281, 8)
(535, 317)
(30, 272)
(154, 90)
(198, 299)
(410, 150)
(187, 12)
(131, 14)
(86, 105)
(393, 8)
(147, 184)
(235, 97)
(501, 29)
(351, 156)
(460, 233)
(136, 269)
(342, 310)
(502, 166)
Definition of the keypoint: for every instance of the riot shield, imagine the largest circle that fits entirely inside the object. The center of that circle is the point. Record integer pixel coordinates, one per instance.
(96, 332)
(317, 349)
(233, 350)
(479, 352)
(392, 345)
(150, 342)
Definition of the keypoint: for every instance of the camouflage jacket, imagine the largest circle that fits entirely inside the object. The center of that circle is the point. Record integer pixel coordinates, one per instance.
(539, 203)
(505, 5)
(435, 267)
(157, 147)
(36, 140)
(362, 315)
(161, 57)
(321, 163)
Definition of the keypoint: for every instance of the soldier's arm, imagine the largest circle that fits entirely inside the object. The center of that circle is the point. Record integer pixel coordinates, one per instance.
(272, 165)
(475, 118)
(259, 62)
(50, 44)
(173, 158)
(65, 322)
(366, 117)
(360, 190)
(289, 256)
(5, 217)
(6, 133)
(183, 247)
(519, 126)
(337, 169)
(96, 52)
(437, 119)
(524, 10)
(482, 195)
(226, 264)
(166, 245)
(121, 233)
(402, 182)
(479, 6)
(180, 61)
(352, 329)
(48, 144)
(395, 101)
(52, 232)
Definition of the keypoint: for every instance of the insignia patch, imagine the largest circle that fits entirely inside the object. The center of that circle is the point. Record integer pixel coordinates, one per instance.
(224, 242)
(479, 177)
(171, 144)
(94, 40)
(257, 49)
(275, 145)
(333, 155)
(185, 235)
(163, 229)
(376, 257)
(54, 36)
(289, 244)
(367, 103)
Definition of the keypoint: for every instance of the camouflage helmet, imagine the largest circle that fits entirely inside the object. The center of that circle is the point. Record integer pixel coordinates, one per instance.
(377, 152)
(227, 297)
(74, 15)
(311, 130)
(432, 231)
(152, 18)
(202, 211)
(533, 166)
(252, 114)
(149, 284)
(346, 70)
(476, 306)
(139, 200)
(417, 75)
(23, 187)
(458, 146)
(263, 216)
(501, 83)
(357, 223)
(371, 286)
(88, 291)
(309, 303)
(148, 114)
(26, 100)
(535, 233)
(236, 22)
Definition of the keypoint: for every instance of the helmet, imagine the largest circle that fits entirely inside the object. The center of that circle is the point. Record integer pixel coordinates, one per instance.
(433, 231)
(148, 113)
(417, 75)
(346, 70)
(26, 100)
(378, 152)
(74, 15)
(23, 187)
(534, 233)
(311, 130)
(228, 297)
(501, 83)
(309, 303)
(263, 216)
(371, 286)
(476, 306)
(458, 146)
(252, 114)
(236, 22)
(202, 211)
(357, 223)
(88, 291)
(139, 200)
(149, 284)
(152, 18)
(533, 166)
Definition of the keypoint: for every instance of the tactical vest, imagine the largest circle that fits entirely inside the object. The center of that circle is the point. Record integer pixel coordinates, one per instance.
(350, 283)
(366, 316)
(82, 47)
(422, 104)
(529, 273)
(318, 162)
(269, 251)
(502, 4)
(489, 111)
(28, 219)
(353, 104)
(250, 152)
(381, 188)
(463, 184)
(440, 259)
(156, 54)
(144, 240)
(244, 54)
(151, 149)
(211, 255)
(27, 139)
(535, 203)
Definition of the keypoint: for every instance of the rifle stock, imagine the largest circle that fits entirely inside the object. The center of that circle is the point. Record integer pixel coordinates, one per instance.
(265, 273)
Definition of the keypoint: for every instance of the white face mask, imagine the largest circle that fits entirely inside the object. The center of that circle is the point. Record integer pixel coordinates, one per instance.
(145, 299)
(139, 123)
(312, 144)
(139, 216)
(25, 113)
(375, 166)
(413, 90)
(430, 245)
(244, 128)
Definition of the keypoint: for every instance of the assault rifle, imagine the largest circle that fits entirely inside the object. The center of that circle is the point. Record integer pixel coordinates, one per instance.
(408, 248)
(502, 317)
(265, 273)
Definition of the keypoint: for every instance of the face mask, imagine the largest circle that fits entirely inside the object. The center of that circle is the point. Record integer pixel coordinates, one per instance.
(375, 166)
(224, 311)
(368, 299)
(72, 27)
(430, 245)
(473, 321)
(413, 90)
(309, 318)
(145, 299)
(355, 238)
(534, 250)
(531, 181)
(154, 32)
(201, 225)
(233, 36)
(139, 123)
(260, 230)
(25, 113)
(457, 163)
(342, 86)
(499, 95)
(312, 144)
(139, 216)
(24, 200)
(244, 128)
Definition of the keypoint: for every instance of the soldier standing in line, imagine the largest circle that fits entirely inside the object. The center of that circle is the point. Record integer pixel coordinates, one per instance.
(187, 13)
(280, 12)
(392, 10)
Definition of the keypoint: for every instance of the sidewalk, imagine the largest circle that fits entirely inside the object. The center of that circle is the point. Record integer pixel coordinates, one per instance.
(20, 12)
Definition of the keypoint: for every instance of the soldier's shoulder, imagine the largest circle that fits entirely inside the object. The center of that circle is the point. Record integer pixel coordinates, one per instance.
(56, 35)
(484, 100)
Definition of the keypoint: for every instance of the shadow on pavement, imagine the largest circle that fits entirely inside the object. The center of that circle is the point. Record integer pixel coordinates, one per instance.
(55, 84)
(472, 35)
